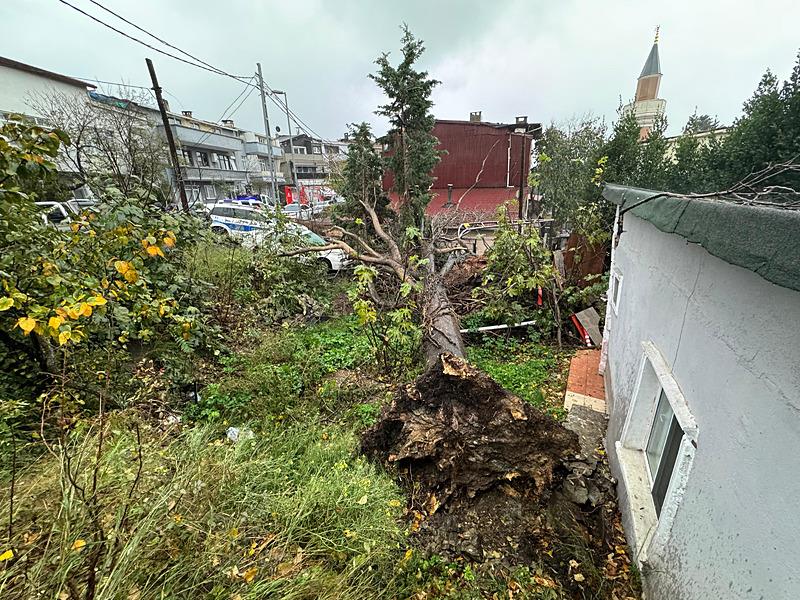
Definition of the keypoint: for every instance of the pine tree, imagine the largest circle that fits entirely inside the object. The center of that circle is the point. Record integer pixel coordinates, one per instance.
(755, 138)
(412, 145)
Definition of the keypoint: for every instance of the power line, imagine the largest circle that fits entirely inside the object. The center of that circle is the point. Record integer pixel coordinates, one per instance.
(199, 64)
(138, 41)
(249, 89)
(155, 37)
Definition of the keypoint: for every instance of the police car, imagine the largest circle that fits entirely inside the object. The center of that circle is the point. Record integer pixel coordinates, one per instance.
(254, 226)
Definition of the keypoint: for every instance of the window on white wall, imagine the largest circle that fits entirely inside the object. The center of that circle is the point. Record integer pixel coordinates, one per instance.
(615, 289)
(662, 449)
(655, 452)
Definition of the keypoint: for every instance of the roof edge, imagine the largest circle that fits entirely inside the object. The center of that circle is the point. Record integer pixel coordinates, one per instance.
(760, 239)
(20, 66)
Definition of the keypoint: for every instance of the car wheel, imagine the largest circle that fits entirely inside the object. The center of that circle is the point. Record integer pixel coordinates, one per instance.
(326, 263)
(220, 231)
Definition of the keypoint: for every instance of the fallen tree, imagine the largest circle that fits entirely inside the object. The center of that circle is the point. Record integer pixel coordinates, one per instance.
(404, 245)
(493, 480)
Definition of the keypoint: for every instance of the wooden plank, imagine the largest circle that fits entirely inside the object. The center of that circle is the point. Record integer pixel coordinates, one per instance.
(591, 323)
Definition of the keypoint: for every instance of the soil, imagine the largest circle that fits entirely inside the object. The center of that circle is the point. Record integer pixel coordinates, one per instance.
(493, 479)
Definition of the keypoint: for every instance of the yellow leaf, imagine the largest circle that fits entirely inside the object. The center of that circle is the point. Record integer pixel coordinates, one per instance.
(250, 574)
(7, 555)
(6, 303)
(63, 337)
(96, 301)
(169, 242)
(578, 577)
(145, 244)
(234, 533)
(154, 251)
(85, 310)
(26, 324)
(122, 266)
(131, 276)
(55, 322)
(78, 545)
(362, 500)
(73, 313)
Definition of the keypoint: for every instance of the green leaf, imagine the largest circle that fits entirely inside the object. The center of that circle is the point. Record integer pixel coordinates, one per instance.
(6, 303)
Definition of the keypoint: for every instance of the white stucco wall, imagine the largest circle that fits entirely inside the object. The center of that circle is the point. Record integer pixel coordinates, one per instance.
(18, 88)
(732, 341)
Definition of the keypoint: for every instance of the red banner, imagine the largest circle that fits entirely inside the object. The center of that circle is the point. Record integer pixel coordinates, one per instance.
(289, 196)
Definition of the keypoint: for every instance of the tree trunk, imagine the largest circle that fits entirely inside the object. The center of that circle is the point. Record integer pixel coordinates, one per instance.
(441, 327)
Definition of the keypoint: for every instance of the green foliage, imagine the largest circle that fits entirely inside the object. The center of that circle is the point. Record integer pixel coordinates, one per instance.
(362, 179)
(261, 282)
(434, 577)
(285, 374)
(83, 305)
(565, 173)
(528, 369)
(412, 146)
(518, 265)
(289, 513)
(395, 336)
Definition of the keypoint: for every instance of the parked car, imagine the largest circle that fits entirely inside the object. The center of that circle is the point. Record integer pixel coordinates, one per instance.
(235, 218)
(256, 227)
(297, 211)
(59, 214)
(334, 259)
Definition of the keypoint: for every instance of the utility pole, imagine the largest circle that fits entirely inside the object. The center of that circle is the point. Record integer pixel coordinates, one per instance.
(291, 137)
(269, 134)
(521, 126)
(173, 153)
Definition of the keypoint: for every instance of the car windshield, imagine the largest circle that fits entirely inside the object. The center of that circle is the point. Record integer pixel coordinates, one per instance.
(314, 239)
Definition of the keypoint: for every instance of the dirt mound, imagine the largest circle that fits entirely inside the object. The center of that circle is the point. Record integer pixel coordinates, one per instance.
(491, 478)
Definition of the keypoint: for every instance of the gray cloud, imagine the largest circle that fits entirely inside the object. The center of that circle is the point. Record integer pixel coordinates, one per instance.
(549, 60)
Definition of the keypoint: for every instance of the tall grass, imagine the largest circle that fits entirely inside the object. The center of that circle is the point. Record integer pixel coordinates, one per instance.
(290, 513)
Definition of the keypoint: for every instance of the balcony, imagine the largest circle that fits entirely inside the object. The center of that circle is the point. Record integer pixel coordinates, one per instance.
(198, 138)
(266, 176)
(262, 149)
(210, 175)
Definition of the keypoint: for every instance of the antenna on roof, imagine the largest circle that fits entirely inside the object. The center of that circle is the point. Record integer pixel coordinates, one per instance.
(657, 28)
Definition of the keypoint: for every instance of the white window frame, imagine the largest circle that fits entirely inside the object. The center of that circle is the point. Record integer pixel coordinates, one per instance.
(210, 187)
(650, 532)
(615, 285)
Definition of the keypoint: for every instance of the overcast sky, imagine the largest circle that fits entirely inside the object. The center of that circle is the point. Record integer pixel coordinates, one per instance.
(549, 60)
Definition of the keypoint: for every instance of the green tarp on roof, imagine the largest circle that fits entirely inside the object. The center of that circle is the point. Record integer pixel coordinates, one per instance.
(762, 239)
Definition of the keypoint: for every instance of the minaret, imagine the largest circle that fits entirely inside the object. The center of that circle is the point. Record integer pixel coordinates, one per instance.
(647, 106)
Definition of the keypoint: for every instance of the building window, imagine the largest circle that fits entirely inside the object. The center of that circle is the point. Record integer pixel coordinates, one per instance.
(615, 289)
(662, 449)
(210, 192)
(202, 159)
(655, 453)
(193, 194)
(187, 157)
(316, 150)
(225, 162)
